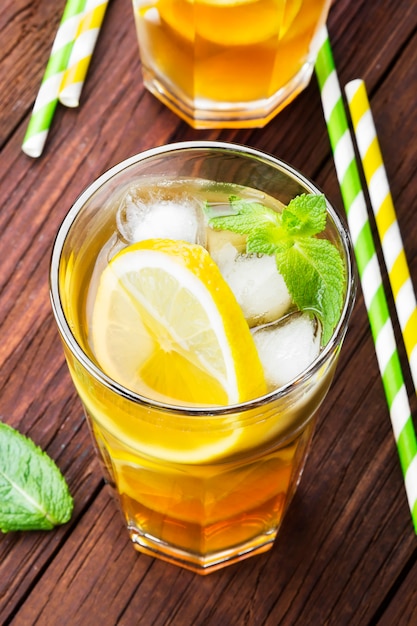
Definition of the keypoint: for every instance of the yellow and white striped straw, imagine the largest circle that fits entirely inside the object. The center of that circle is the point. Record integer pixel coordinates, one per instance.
(82, 52)
(385, 217)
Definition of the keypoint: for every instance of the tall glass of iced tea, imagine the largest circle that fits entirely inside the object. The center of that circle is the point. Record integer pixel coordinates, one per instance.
(227, 63)
(200, 347)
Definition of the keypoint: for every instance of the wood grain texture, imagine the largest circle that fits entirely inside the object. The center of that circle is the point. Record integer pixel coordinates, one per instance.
(346, 553)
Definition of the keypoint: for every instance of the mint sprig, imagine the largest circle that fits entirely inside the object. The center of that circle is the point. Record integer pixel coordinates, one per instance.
(311, 266)
(33, 492)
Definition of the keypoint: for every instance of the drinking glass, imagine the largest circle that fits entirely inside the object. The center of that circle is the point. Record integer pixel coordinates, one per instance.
(228, 63)
(198, 486)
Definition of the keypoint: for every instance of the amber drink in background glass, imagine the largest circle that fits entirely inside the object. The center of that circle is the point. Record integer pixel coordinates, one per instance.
(227, 63)
(200, 417)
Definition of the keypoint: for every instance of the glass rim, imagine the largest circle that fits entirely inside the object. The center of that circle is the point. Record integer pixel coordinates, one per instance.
(203, 410)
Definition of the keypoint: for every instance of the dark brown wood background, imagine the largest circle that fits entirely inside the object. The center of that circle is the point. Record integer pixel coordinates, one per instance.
(346, 554)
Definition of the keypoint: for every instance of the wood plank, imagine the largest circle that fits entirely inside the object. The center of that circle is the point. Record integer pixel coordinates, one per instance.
(401, 607)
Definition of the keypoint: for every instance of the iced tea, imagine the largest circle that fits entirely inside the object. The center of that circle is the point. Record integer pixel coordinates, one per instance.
(223, 63)
(201, 483)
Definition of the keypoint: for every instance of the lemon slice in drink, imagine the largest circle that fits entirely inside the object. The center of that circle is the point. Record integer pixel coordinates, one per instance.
(166, 325)
(223, 22)
(291, 11)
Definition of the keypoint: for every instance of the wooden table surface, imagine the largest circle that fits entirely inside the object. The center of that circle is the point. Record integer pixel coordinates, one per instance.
(347, 552)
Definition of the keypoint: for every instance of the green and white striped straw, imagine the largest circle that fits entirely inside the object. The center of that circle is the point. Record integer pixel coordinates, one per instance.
(47, 98)
(368, 268)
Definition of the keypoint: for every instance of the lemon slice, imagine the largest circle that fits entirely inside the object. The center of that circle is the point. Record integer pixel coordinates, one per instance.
(252, 21)
(291, 11)
(166, 325)
(230, 23)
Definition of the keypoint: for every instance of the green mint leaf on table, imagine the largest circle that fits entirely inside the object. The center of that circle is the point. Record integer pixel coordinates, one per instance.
(311, 266)
(33, 492)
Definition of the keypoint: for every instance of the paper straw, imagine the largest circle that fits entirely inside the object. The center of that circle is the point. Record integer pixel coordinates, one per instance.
(368, 268)
(385, 217)
(82, 52)
(47, 98)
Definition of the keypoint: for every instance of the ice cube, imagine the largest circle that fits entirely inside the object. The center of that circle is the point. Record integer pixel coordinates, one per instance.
(286, 348)
(147, 217)
(256, 283)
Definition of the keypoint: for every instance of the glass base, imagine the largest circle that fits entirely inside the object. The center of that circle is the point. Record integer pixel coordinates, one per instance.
(202, 114)
(197, 563)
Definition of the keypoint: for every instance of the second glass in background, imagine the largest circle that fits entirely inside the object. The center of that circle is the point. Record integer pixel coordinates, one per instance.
(227, 63)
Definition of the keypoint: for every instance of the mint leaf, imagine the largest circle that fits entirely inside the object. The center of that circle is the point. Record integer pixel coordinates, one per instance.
(312, 267)
(266, 240)
(33, 492)
(247, 217)
(244, 216)
(305, 215)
